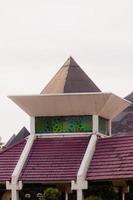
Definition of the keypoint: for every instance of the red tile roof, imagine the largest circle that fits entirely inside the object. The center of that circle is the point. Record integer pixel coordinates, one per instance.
(113, 159)
(55, 159)
(58, 159)
(8, 160)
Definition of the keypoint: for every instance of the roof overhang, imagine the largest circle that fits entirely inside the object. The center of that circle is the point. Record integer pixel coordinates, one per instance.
(106, 105)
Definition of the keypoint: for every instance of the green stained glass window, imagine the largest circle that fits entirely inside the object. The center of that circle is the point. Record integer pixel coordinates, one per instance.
(65, 124)
(103, 125)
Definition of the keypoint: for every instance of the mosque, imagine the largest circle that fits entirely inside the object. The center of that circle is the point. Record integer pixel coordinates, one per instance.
(70, 143)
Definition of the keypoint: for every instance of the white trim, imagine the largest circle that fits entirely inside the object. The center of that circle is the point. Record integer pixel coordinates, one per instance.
(32, 125)
(110, 127)
(62, 94)
(87, 158)
(68, 94)
(81, 183)
(16, 185)
(66, 195)
(107, 105)
(95, 123)
(102, 135)
(79, 194)
(49, 135)
(23, 157)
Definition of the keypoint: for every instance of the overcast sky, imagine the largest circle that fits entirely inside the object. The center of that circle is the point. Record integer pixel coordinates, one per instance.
(37, 36)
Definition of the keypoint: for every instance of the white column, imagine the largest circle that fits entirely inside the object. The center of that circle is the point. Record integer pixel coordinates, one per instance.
(110, 127)
(66, 195)
(79, 194)
(32, 125)
(123, 196)
(81, 182)
(22, 159)
(14, 187)
(87, 158)
(95, 123)
(14, 194)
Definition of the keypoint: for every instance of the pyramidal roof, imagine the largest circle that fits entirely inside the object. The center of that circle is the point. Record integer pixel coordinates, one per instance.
(124, 117)
(23, 133)
(130, 97)
(70, 79)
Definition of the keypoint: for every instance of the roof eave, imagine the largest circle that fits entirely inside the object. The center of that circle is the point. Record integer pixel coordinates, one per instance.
(106, 105)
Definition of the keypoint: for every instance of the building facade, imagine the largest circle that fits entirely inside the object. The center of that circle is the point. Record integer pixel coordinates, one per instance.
(70, 143)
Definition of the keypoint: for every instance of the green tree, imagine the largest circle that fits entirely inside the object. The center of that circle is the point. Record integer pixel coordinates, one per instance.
(93, 198)
(51, 194)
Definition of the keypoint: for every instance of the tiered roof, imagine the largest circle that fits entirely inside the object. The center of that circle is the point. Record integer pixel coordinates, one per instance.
(58, 158)
(71, 92)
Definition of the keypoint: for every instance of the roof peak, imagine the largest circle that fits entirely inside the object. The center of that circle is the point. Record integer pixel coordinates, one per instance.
(129, 97)
(70, 79)
(70, 62)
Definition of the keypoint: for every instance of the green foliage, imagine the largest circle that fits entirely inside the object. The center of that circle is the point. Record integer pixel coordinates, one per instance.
(51, 194)
(93, 198)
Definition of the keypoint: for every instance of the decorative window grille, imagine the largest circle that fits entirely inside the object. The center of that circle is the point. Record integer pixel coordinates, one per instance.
(103, 125)
(63, 124)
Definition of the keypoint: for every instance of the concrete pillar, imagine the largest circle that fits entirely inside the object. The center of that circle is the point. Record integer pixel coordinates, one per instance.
(121, 194)
(79, 194)
(95, 123)
(66, 195)
(81, 184)
(14, 188)
(14, 194)
(32, 125)
(110, 127)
